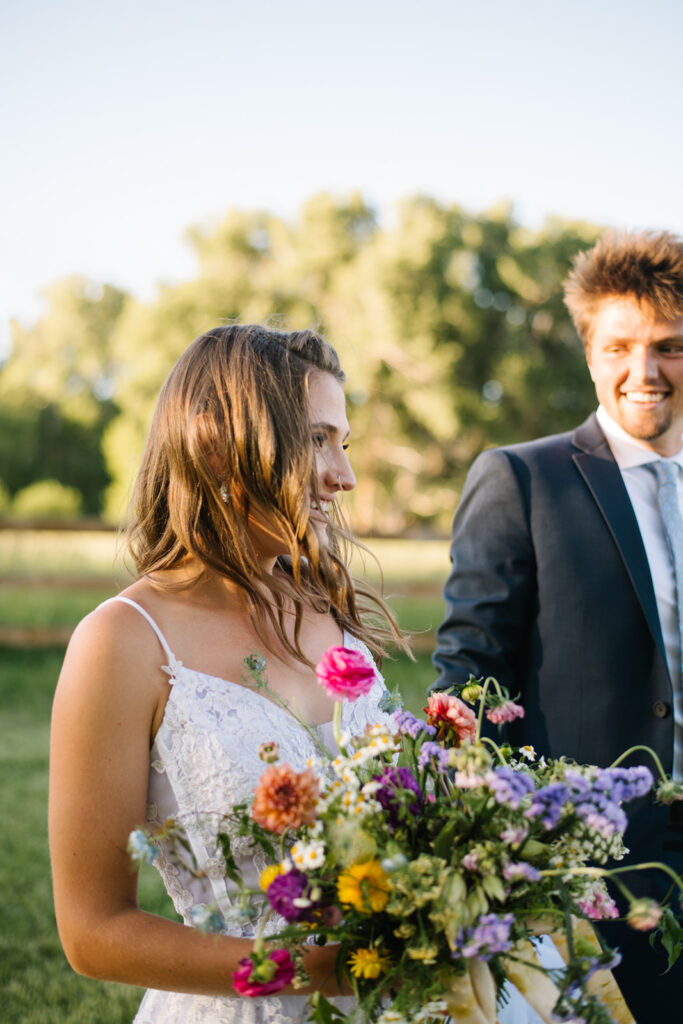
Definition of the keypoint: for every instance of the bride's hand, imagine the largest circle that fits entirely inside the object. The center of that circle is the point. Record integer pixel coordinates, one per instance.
(319, 962)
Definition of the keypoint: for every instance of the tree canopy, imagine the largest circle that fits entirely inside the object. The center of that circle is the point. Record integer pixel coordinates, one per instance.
(450, 326)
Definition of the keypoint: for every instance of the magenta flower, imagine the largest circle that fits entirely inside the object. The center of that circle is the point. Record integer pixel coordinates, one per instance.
(261, 976)
(345, 674)
(507, 711)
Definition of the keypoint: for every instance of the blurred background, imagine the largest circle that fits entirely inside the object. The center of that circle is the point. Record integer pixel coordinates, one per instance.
(412, 179)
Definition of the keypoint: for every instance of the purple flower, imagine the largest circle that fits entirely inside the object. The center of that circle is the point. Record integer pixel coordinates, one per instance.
(409, 725)
(429, 751)
(508, 786)
(490, 935)
(392, 782)
(628, 783)
(520, 871)
(547, 804)
(287, 892)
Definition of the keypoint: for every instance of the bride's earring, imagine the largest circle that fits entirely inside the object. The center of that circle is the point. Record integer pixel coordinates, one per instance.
(224, 493)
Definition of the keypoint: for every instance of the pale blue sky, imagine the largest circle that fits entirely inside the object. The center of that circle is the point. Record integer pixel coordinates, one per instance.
(123, 124)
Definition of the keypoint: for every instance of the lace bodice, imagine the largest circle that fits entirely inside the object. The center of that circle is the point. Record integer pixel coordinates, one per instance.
(204, 760)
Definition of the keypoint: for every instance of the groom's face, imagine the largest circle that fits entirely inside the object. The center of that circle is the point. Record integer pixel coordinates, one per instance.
(635, 358)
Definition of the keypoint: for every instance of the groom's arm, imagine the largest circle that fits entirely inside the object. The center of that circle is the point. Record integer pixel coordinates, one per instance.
(491, 591)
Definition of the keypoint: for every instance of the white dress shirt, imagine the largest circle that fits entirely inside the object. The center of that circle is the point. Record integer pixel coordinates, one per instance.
(632, 458)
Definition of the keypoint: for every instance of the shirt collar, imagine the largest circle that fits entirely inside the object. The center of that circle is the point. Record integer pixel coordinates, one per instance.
(628, 451)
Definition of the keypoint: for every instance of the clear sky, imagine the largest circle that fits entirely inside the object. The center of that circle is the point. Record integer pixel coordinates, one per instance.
(124, 123)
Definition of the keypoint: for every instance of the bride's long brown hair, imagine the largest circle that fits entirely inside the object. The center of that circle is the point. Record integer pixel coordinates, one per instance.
(232, 417)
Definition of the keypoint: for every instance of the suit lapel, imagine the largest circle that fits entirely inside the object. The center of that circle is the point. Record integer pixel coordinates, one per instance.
(595, 463)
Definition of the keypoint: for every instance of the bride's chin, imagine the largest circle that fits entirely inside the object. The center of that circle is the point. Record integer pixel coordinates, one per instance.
(321, 532)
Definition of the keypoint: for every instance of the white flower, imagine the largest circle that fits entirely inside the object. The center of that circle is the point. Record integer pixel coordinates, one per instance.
(349, 776)
(391, 1017)
(370, 788)
(437, 1008)
(528, 752)
(308, 856)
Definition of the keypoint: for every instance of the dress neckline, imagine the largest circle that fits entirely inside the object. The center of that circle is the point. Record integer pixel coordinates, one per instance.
(176, 665)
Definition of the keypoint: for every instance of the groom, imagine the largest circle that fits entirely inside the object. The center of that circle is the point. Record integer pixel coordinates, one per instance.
(565, 556)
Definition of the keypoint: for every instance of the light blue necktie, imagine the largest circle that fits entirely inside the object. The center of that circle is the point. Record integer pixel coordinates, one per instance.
(667, 479)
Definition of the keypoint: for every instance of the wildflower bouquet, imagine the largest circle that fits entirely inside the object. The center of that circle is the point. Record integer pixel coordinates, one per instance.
(434, 858)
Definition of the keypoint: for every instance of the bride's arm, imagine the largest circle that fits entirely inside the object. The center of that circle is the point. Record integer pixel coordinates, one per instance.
(110, 689)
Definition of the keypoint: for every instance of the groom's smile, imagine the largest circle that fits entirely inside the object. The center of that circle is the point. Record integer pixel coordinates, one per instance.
(635, 357)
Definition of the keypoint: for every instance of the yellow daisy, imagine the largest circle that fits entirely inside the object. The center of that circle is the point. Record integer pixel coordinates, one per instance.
(368, 963)
(364, 886)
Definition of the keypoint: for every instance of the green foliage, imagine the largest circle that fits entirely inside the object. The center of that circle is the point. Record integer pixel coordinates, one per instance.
(450, 326)
(56, 392)
(47, 499)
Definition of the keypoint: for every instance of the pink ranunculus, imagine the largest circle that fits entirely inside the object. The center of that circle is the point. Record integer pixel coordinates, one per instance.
(644, 914)
(344, 673)
(273, 978)
(452, 718)
(505, 712)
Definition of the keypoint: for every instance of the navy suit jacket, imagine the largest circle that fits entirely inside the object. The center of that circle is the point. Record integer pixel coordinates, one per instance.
(550, 592)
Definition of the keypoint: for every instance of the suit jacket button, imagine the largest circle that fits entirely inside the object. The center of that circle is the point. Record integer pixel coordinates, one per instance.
(661, 709)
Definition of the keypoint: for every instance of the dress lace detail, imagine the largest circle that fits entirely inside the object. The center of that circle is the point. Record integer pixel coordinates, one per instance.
(205, 759)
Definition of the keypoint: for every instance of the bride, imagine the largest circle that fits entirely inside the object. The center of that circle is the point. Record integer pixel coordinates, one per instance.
(234, 536)
(236, 550)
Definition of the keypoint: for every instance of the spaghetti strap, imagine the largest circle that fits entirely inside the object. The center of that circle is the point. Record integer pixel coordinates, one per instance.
(172, 660)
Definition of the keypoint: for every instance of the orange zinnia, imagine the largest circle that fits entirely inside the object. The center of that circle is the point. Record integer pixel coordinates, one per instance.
(285, 798)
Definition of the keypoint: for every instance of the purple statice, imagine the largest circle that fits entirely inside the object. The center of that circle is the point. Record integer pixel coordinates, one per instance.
(628, 783)
(435, 751)
(595, 800)
(409, 725)
(547, 804)
(392, 781)
(490, 935)
(520, 871)
(508, 786)
(287, 896)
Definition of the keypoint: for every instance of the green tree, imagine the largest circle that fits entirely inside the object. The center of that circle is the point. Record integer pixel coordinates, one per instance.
(56, 392)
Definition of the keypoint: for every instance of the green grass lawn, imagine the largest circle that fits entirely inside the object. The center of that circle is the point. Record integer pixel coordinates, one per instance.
(36, 984)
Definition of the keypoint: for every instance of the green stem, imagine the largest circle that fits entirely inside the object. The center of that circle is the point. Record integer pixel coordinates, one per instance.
(482, 702)
(648, 750)
(336, 723)
(259, 940)
(611, 872)
(492, 743)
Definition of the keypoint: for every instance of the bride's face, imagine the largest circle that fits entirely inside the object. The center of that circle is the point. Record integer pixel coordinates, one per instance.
(329, 433)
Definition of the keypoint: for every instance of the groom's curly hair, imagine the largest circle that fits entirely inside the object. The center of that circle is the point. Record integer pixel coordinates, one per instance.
(647, 265)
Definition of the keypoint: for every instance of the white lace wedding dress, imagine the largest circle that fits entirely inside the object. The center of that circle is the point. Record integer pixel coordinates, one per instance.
(205, 759)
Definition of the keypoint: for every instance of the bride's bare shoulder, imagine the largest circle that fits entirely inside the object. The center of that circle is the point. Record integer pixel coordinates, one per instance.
(116, 639)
